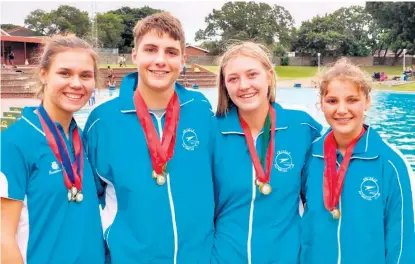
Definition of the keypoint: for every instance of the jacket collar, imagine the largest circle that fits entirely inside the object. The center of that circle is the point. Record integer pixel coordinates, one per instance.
(366, 147)
(229, 124)
(30, 116)
(129, 84)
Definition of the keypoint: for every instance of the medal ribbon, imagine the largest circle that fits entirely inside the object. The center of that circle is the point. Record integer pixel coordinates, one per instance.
(265, 139)
(72, 173)
(333, 180)
(160, 153)
(262, 176)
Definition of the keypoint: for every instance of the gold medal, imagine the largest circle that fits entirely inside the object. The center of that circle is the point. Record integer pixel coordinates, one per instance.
(161, 179)
(79, 197)
(336, 213)
(257, 182)
(265, 188)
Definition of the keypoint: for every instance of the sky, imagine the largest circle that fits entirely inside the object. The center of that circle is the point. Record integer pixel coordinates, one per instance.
(191, 13)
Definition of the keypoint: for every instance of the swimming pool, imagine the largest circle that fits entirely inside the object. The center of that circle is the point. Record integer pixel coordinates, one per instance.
(392, 114)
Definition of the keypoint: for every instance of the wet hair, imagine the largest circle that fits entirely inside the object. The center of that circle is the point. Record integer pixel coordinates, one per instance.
(344, 70)
(161, 23)
(249, 49)
(61, 43)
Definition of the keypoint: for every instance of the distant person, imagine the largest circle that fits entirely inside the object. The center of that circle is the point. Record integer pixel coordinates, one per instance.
(49, 203)
(124, 60)
(184, 70)
(111, 87)
(11, 58)
(110, 74)
(120, 60)
(356, 187)
(383, 76)
(92, 99)
(404, 77)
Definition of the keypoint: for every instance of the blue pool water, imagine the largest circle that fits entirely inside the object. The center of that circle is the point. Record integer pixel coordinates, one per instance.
(392, 114)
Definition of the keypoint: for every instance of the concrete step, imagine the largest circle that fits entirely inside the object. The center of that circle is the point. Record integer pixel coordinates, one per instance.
(16, 82)
(18, 95)
(15, 77)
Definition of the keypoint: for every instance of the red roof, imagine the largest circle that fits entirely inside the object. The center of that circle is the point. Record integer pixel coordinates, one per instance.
(22, 39)
(16, 29)
(3, 33)
(191, 46)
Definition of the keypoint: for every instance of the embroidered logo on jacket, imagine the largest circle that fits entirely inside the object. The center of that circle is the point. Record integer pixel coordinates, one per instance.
(189, 139)
(283, 161)
(55, 168)
(369, 189)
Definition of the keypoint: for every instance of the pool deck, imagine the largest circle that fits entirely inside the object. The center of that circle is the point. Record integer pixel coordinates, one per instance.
(305, 83)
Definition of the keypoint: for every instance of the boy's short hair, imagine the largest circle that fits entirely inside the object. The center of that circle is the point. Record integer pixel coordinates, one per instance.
(162, 23)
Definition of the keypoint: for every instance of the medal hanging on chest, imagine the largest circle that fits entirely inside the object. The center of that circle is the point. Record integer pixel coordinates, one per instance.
(333, 178)
(72, 173)
(160, 152)
(262, 166)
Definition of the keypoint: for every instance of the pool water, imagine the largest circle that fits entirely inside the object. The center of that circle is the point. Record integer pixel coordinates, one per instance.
(392, 114)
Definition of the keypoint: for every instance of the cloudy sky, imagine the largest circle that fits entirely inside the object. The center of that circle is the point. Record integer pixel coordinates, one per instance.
(191, 13)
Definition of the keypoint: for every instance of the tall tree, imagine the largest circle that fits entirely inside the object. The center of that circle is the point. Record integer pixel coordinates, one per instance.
(70, 19)
(397, 20)
(349, 31)
(110, 29)
(248, 21)
(38, 21)
(323, 34)
(130, 17)
(64, 19)
(359, 23)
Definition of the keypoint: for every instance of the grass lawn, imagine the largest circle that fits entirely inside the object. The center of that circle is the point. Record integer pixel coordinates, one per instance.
(402, 87)
(295, 72)
(214, 69)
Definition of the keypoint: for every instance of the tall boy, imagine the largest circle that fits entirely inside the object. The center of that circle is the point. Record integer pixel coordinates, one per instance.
(150, 147)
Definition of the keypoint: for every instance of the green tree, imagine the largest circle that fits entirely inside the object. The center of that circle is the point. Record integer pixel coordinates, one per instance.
(38, 21)
(323, 34)
(359, 23)
(279, 50)
(110, 28)
(130, 17)
(397, 22)
(6, 27)
(248, 21)
(64, 19)
(348, 31)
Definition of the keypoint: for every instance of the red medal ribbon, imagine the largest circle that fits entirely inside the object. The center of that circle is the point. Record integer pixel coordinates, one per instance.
(333, 180)
(160, 153)
(262, 176)
(72, 172)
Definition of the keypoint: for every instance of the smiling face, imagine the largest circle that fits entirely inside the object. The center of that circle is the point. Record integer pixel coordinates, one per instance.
(159, 60)
(344, 106)
(69, 80)
(247, 83)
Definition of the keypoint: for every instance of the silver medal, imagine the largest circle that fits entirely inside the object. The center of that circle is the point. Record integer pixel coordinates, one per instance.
(70, 195)
(74, 190)
(79, 197)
